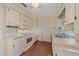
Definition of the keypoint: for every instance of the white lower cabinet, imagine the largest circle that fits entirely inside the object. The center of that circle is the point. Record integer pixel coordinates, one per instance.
(54, 50)
(16, 47)
(61, 51)
(58, 51)
(70, 52)
(22, 43)
(19, 46)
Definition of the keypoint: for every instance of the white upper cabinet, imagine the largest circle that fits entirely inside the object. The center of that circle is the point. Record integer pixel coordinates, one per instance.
(61, 11)
(12, 17)
(22, 21)
(69, 13)
(25, 22)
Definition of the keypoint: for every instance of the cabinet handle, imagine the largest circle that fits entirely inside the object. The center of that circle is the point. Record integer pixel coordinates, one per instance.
(8, 9)
(56, 54)
(75, 17)
(13, 45)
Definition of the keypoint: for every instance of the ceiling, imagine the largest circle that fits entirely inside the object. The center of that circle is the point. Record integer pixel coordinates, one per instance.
(46, 9)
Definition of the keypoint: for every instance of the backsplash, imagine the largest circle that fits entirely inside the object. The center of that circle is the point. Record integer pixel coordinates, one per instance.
(10, 30)
(70, 34)
(77, 37)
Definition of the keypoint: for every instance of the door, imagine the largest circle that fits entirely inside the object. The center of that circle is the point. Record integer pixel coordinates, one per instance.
(46, 34)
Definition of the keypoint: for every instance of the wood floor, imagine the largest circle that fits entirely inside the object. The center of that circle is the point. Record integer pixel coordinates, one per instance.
(39, 49)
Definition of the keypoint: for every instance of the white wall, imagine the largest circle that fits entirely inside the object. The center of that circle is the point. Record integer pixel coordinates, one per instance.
(44, 27)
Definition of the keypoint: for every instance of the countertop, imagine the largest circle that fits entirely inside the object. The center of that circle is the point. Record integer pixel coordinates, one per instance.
(16, 36)
(66, 43)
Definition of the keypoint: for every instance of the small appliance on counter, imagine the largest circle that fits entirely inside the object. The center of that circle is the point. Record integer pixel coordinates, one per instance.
(60, 32)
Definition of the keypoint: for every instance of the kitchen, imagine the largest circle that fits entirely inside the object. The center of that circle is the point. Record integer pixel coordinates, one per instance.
(22, 24)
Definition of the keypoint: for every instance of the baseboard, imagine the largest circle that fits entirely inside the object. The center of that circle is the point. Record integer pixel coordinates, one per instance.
(45, 41)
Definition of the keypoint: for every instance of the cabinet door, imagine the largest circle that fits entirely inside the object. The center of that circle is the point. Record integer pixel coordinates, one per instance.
(22, 42)
(21, 25)
(12, 17)
(70, 52)
(69, 13)
(59, 50)
(25, 22)
(19, 45)
(16, 47)
(76, 23)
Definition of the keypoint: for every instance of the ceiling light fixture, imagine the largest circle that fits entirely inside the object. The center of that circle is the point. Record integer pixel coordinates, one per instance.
(35, 5)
